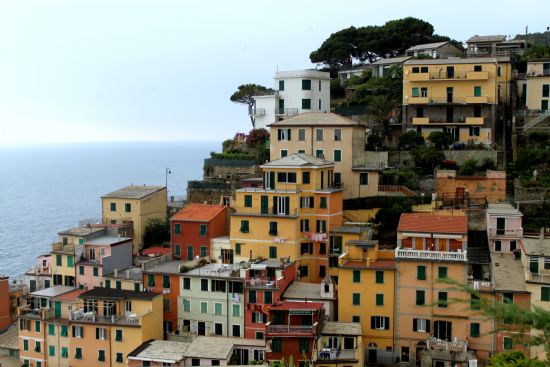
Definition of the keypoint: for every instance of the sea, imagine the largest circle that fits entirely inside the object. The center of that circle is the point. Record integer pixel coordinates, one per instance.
(47, 188)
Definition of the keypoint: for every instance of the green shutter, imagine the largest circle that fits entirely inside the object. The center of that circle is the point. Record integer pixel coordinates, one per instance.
(357, 276)
(421, 272)
(272, 252)
(248, 201)
(545, 293)
(51, 329)
(356, 299)
(379, 277)
(107, 283)
(477, 91)
(442, 299)
(337, 155)
(442, 272)
(203, 229)
(177, 228)
(251, 296)
(420, 298)
(268, 297)
(474, 329)
(415, 92)
(237, 248)
(380, 300)
(264, 203)
(118, 335)
(508, 343)
(51, 351)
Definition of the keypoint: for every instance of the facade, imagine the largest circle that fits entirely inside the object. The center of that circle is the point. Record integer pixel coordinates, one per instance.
(159, 353)
(430, 250)
(99, 256)
(470, 191)
(5, 317)
(265, 283)
(461, 96)
(296, 92)
(504, 227)
(193, 227)
(291, 216)
(494, 45)
(223, 351)
(334, 138)
(130, 279)
(212, 301)
(136, 205)
(220, 250)
(435, 50)
(339, 343)
(538, 84)
(378, 68)
(366, 289)
(325, 293)
(40, 275)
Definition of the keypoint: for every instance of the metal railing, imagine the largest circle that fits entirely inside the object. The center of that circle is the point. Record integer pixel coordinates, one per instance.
(92, 317)
(292, 329)
(480, 285)
(516, 232)
(286, 111)
(539, 278)
(258, 112)
(401, 253)
(334, 354)
(261, 283)
(397, 188)
(42, 313)
(451, 346)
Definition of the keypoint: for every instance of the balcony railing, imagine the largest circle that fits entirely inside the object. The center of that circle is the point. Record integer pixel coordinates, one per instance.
(448, 101)
(480, 285)
(333, 354)
(258, 112)
(261, 283)
(515, 233)
(42, 313)
(91, 317)
(292, 329)
(286, 111)
(402, 253)
(451, 346)
(538, 278)
(398, 189)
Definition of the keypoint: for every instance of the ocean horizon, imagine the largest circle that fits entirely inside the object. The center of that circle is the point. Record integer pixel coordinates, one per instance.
(47, 188)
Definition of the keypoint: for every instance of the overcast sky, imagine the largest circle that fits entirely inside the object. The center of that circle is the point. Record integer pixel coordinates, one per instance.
(164, 70)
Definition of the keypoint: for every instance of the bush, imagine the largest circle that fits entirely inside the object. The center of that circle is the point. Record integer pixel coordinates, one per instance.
(406, 177)
(410, 140)
(257, 137)
(440, 139)
(488, 163)
(427, 157)
(469, 167)
(232, 155)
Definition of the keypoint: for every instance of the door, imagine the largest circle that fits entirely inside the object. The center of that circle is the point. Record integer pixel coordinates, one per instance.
(57, 309)
(281, 106)
(201, 328)
(449, 94)
(450, 72)
(372, 356)
(189, 253)
(501, 225)
(460, 193)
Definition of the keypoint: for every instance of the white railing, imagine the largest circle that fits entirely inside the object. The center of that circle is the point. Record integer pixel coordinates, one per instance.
(260, 283)
(516, 232)
(453, 346)
(430, 255)
(291, 329)
(539, 278)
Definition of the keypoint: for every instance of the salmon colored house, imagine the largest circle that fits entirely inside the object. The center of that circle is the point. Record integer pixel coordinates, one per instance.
(193, 227)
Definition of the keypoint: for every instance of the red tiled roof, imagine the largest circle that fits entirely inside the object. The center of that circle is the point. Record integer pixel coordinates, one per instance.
(411, 222)
(69, 296)
(286, 306)
(381, 264)
(157, 251)
(199, 212)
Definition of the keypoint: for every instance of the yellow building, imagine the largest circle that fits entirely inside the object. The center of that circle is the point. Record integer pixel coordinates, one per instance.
(366, 286)
(291, 216)
(335, 138)
(136, 204)
(130, 279)
(461, 96)
(538, 84)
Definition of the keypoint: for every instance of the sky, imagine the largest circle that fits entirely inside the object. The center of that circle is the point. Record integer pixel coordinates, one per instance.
(131, 70)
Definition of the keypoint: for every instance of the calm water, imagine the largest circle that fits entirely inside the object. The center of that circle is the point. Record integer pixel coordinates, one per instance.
(48, 188)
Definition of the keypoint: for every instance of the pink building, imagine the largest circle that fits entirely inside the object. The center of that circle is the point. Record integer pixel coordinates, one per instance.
(99, 256)
(504, 227)
(40, 275)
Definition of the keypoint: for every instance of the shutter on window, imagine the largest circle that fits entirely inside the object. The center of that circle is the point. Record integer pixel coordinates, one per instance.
(415, 327)
(74, 331)
(386, 323)
(287, 205)
(275, 204)
(427, 326)
(279, 134)
(372, 322)
(288, 134)
(311, 203)
(97, 333)
(272, 180)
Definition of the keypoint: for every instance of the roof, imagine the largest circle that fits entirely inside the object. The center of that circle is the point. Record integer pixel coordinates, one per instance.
(134, 192)
(311, 73)
(535, 246)
(81, 231)
(503, 208)
(217, 271)
(412, 222)
(456, 60)
(491, 38)
(351, 229)
(507, 273)
(392, 60)
(160, 351)
(316, 119)
(271, 263)
(210, 347)
(70, 296)
(341, 328)
(199, 212)
(170, 267)
(427, 46)
(157, 250)
(379, 264)
(117, 294)
(298, 160)
(287, 306)
(9, 339)
(107, 240)
(134, 273)
(303, 290)
(54, 291)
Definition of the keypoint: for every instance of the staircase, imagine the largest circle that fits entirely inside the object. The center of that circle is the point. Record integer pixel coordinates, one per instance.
(545, 115)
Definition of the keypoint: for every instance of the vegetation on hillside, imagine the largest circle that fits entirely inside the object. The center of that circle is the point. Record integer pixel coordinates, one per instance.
(157, 232)
(532, 165)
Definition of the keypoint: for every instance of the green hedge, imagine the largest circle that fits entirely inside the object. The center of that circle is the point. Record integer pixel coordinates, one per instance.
(373, 202)
(233, 156)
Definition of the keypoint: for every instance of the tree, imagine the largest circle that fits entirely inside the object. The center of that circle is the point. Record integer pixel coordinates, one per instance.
(157, 232)
(410, 140)
(441, 139)
(514, 358)
(427, 157)
(257, 136)
(244, 95)
(381, 107)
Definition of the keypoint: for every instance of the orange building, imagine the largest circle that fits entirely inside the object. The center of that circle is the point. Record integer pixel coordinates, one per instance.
(456, 190)
(5, 318)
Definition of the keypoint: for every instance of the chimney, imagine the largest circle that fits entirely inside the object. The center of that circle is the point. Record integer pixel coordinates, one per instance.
(116, 273)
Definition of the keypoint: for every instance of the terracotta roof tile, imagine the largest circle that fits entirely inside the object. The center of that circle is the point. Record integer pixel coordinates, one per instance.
(70, 296)
(199, 212)
(411, 222)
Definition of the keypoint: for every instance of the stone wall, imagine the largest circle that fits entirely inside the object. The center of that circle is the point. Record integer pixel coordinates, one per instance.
(530, 193)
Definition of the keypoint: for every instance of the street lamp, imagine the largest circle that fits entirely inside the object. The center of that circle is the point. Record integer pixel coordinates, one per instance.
(168, 171)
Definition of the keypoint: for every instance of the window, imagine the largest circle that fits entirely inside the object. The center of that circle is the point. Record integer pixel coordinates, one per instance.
(474, 329)
(357, 276)
(306, 104)
(337, 178)
(177, 228)
(64, 331)
(272, 252)
(186, 305)
(51, 351)
(545, 294)
(508, 297)
(251, 296)
(128, 208)
(37, 326)
(281, 85)
(356, 299)
(380, 300)
(118, 284)
(70, 262)
(118, 335)
(544, 105)
(420, 298)
(321, 226)
(78, 353)
(238, 248)
(421, 325)
(415, 92)
(319, 134)
(96, 271)
(306, 202)
(306, 248)
(305, 177)
(165, 281)
(113, 207)
(477, 68)
(442, 299)
(259, 336)
(415, 69)
(218, 329)
(150, 280)
(364, 178)
(204, 285)
(423, 69)
(424, 92)
(319, 153)
(257, 317)
(101, 355)
(323, 202)
(475, 302)
(25, 344)
(474, 131)
(337, 155)
(58, 260)
(322, 270)
(51, 329)
(421, 272)
(443, 330)
(304, 345)
(119, 358)
(276, 345)
(202, 232)
(248, 201)
(442, 272)
(100, 333)
(284, 153)
(337, 134)
(301, 134)
(236, 310)
(508, 343)
(177, 251)
(380, 323)
(38, 347)
(498, 246)
(306, 84)
(304, 225)
(546, 90)
(204, 307)
(356, 318)
(217, 309)
(301, 151)
(64, 352)
(244, 226)
(304, 271)
(284, 134)
(379, 277)
(81, 270)
(477, 91)
(272, 228)
(236, 331)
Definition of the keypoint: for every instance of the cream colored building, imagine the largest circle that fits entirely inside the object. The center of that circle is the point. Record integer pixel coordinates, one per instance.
(136, 204)
(538, 84)
(334, 138)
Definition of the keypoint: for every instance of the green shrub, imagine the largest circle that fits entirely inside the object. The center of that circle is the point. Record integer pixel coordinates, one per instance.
(469, 167)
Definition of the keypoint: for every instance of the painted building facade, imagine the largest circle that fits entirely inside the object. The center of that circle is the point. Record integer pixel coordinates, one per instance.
(504, 227)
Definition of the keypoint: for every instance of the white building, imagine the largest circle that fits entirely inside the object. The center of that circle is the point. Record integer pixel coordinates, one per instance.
(295, 92)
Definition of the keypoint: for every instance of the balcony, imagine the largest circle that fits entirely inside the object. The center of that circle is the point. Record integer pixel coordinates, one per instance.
(258, 112)
(286, 111)
(418, 77)
(478, 75)
(480, 285)
(261, 283)
(450, 346)
(292, 330)
(538, 278)
(477, 99)
(42, 313)
(410, 254)
(502, 232)
(130, 319)
(444, 75)
(421, 121)
(419, 100)
(336, 355)
(475, 120)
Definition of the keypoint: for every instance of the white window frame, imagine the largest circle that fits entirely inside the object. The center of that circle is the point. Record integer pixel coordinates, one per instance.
(317, 134)
(421, 325)
(101, 333)
(379, 322)
(339, 133)
(281, 205)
